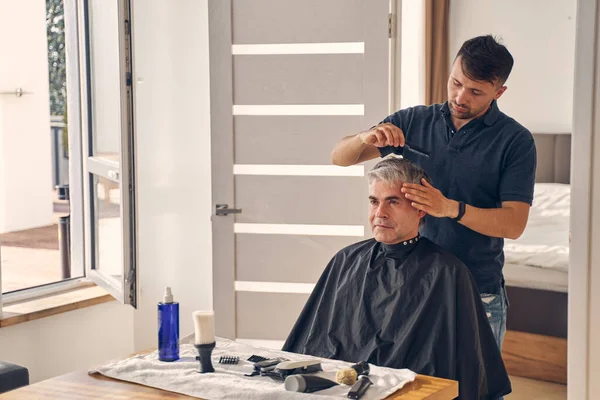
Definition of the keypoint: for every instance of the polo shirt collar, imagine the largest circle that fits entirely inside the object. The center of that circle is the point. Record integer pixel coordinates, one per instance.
(445, 109)
(492, 114)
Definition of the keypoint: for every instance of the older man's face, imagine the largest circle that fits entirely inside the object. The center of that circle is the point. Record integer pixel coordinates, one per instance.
(392, 218)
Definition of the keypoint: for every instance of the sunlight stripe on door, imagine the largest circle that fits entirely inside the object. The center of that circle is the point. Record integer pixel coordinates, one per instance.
(300, 229)
(299, 48)
(299, 109)
(274, 287)
(298, 170)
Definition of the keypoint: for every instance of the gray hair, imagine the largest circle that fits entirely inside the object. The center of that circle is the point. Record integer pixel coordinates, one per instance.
(395, 170)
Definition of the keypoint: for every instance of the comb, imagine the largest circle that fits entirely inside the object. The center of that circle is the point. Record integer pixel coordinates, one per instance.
(229, 360)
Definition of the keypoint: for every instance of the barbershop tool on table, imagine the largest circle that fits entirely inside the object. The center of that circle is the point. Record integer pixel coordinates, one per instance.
(348, 376)
(264, 366)
(168, 328)
(254, 358)
(307, 383)
(359, 388)
(229, 360)
(204, 324)
(287, 368)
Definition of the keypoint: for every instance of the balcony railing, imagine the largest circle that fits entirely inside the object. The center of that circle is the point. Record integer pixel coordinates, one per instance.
(60, 155)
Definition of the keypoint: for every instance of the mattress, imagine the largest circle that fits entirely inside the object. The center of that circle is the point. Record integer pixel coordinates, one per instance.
(523, 276)
(540, 257)
(545, 241)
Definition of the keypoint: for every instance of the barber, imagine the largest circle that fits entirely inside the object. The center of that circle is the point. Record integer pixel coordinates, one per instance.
(481, 161)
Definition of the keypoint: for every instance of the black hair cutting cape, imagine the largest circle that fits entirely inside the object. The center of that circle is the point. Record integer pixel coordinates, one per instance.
(410, 306)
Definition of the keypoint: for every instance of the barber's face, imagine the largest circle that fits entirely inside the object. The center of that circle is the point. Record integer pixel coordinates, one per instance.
(469, 99)
(392, 218)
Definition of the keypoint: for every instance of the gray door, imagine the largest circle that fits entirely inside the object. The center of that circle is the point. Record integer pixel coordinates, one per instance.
(288, 79)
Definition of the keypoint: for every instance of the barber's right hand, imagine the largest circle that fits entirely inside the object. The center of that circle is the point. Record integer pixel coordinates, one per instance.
(383, 135)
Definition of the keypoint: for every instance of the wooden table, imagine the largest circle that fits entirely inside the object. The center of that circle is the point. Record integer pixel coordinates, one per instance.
(81, 386)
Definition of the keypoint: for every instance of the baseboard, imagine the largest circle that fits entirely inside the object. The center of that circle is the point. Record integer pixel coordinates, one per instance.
(535, 356)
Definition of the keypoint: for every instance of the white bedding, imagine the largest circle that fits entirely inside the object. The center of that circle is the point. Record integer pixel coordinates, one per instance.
(519, 275)
(545, 242)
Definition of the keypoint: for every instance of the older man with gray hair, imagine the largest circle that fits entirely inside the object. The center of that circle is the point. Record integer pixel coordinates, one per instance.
(399, 300)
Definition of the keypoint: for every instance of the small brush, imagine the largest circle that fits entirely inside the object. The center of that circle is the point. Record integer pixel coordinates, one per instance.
(204, 326)
(348, 376)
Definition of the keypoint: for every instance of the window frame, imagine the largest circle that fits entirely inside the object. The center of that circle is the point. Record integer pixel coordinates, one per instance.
(122, 171)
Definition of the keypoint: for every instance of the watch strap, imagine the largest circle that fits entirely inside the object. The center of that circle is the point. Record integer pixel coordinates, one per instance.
(462, 207)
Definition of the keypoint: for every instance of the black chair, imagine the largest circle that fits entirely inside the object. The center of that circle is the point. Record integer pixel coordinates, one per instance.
(12, 376)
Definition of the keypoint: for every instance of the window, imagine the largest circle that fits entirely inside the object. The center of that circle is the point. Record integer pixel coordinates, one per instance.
(90, 157)
(35, 213)
(107, 139)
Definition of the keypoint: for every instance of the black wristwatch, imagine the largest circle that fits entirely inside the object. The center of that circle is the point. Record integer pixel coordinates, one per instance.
(461, 211)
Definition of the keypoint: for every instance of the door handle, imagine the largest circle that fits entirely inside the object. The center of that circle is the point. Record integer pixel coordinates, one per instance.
(223, 209)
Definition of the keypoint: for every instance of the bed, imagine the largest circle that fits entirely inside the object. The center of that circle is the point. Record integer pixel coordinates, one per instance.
(536, 271)
(539, 259)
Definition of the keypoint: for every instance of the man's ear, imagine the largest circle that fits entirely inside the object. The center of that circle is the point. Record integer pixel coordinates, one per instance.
(500, 92)
(421, 213)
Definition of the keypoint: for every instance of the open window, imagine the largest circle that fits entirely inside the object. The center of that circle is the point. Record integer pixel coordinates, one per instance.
(108, 146)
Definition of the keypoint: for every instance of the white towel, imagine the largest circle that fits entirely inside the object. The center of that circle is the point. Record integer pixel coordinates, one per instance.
(228, 380)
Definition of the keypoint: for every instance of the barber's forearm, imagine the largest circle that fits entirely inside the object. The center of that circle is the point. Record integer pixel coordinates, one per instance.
(348, 150)
(496, 222)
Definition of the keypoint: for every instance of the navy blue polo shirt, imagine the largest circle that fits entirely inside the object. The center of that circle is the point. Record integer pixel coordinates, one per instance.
(489, 160)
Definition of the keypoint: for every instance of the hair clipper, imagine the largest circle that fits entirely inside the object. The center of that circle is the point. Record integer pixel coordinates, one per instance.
(287, 368)
(262, 367)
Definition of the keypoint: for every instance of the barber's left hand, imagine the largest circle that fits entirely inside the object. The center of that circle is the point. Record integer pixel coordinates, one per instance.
(429, 199)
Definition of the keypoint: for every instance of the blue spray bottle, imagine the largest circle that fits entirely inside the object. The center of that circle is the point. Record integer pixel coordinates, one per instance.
(168, 328)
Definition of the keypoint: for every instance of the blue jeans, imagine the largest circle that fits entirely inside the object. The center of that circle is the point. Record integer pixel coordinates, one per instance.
(495, 306)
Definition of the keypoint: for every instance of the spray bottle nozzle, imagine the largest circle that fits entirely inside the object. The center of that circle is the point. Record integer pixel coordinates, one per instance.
(168, 295)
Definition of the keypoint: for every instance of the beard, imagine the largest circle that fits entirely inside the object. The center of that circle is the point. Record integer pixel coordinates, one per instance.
(468, 114)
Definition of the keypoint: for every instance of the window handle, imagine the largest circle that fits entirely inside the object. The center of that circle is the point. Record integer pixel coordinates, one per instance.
(17, 92)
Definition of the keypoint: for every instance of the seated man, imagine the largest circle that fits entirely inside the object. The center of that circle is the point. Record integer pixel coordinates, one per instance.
(401, 301)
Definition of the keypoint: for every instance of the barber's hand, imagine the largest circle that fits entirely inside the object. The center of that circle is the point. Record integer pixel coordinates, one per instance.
(429, 199)
(383, 135)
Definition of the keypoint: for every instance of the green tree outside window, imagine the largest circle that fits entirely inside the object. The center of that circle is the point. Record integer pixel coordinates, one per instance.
(55, 29)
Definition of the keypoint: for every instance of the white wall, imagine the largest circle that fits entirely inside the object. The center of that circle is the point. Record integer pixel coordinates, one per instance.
(76, 340)
(540, 34)
(25, 163)
(173, 161)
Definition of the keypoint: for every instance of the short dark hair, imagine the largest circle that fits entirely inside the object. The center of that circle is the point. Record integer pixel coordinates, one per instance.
(483, 58)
